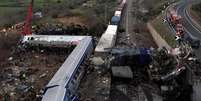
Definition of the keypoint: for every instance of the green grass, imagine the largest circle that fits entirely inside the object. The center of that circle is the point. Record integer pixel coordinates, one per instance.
(11, 11)
(163, 30)
(195, 12)
(155, 8)
(94, 12)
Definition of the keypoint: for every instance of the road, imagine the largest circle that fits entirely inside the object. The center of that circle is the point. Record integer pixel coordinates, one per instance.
(189, 25)
(192, 30)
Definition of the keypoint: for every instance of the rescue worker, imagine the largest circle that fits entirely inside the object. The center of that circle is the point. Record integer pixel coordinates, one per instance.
(178, 38)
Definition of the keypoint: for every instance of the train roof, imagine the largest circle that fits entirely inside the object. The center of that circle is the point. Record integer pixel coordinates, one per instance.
(52, 38)
(111, 29)
(56, 88)
(106, 42)
(117, 13)
(108, 39)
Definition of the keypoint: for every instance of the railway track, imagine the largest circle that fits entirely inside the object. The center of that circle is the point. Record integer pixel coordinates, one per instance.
(131, 89)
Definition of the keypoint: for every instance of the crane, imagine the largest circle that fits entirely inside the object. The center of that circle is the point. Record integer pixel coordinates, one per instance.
(27, 25)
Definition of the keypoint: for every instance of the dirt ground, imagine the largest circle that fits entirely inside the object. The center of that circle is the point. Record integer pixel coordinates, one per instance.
(195, 14)
(73, 20)
(8, 41)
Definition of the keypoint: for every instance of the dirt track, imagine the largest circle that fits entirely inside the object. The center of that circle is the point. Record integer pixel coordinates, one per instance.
(136, 33)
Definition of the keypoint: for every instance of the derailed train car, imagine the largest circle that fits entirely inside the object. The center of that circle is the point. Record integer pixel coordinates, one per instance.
(63, 85)
(65, 82)
(51, 40)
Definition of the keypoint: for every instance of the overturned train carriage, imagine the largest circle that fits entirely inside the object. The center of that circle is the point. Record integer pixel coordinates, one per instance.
(52, 40)
(63, 85)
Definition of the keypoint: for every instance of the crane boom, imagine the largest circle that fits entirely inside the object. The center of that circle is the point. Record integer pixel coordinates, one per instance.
(27, 26)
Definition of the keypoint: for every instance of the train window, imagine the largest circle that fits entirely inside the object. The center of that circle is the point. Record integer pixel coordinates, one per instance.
(78, 71)
(71, 97)
(31, 38)
(68, 92)
(76, 75)
(74, 98)
(73, 82)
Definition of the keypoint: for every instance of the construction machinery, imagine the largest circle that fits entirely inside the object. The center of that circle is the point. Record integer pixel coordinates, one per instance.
(27, 24)
(174, 18)
(175, 22)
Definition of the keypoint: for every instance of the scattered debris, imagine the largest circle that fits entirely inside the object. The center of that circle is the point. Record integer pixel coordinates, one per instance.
(122, 71)
(26, 72)
(97, 61)
(163, 75)
(10, 58)
(43, 75)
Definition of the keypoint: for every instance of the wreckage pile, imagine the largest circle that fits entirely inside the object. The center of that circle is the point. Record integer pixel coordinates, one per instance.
(133, 74)
(170, 73)
(27, 71)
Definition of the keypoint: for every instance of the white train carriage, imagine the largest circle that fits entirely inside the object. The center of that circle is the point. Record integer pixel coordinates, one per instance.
(107, 40)
(63, 85)
(52, 40)
(117, 13)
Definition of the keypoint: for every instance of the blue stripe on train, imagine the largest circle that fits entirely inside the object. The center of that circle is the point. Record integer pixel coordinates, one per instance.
(145, 57)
